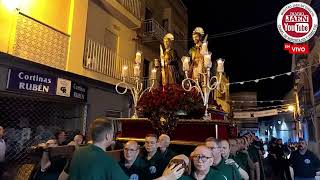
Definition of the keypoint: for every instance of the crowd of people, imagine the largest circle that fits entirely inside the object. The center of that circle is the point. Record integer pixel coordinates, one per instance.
(291, 161)
(232, 159)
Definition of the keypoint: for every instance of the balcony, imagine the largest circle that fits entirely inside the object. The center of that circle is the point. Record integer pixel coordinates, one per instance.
(102, 60)
(152, 30)
(126, 11)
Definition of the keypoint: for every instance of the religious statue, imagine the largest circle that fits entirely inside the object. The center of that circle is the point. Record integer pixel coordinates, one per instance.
(169, 62)
(196, 53)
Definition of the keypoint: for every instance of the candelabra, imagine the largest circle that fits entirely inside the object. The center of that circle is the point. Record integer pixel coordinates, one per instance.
(137, 89)
(204, 83)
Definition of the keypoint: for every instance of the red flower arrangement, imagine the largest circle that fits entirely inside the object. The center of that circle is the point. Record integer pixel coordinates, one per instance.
(171, 99)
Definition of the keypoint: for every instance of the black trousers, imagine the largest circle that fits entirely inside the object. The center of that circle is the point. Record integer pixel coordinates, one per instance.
(2, 168)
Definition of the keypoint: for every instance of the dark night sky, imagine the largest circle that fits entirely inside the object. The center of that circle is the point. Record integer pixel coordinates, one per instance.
(249, 55)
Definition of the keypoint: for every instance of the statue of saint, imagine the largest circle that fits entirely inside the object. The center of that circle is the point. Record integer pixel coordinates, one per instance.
(169, 62)
(197, 60)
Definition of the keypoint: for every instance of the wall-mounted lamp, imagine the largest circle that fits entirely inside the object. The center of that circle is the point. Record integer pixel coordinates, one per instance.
(11, 4)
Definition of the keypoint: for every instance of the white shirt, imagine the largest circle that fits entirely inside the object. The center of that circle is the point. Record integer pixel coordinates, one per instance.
(2, 150)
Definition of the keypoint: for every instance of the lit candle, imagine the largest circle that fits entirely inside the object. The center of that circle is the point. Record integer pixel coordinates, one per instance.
(124, 72)
(220, 67)
(207, 60)
(185, 63)
(138, 57)
(153, 74)
(136, 70)
(204, 48)
(162, 62)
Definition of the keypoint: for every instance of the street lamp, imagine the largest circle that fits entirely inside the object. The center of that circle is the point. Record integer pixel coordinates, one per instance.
(11, 4)
(291, 108)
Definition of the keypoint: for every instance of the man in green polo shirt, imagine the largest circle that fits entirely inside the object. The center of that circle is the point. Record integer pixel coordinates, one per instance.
(153, 157)
(92, 162)
(219, 164)
(166, 152)
(133, 165)
(228, 151)
(202, 159)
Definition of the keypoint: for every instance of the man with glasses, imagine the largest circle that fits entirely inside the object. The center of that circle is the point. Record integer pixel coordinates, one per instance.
(202, 160)
(219, 164)
(133, 165)
(153, 158)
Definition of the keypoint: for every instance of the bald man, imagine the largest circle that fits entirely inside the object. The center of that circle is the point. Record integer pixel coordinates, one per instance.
(163, 144)
(202, 159)
(229, 154)
(133, 165)
(219, 164)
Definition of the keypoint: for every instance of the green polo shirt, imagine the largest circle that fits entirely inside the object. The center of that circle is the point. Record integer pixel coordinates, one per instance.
(243, 159)
(168, 155)
(91, 162)
(155, 166)
(137, 170)
(212, 174)
(229, 171)
(253, 153)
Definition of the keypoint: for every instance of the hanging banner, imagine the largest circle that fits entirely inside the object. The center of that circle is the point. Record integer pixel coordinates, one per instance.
(255, 114)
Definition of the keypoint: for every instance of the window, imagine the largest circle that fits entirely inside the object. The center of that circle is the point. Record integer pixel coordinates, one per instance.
(148, 14)
(165, 24)
(110, 40)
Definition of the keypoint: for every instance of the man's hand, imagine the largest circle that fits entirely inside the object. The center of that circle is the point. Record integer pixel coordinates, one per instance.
(231, 162)
(173, 172)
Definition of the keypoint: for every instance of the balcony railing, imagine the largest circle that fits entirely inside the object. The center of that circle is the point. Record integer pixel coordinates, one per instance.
(133, 6)
(102, 60)
(152, 29)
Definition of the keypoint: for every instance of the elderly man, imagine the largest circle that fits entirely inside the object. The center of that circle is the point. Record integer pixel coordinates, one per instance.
(202, 159)
(133, 165)
(166, 152)
(219, 164)
(2, 151)
(305, 163)
(229, 154)
(91, 162)
(153, 157)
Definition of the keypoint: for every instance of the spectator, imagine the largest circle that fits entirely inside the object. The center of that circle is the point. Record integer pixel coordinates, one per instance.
(77, 140)
(2, 152)
(305, 163)
(52, 167)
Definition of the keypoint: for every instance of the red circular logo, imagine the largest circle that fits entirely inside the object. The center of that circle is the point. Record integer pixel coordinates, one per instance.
(297, 22)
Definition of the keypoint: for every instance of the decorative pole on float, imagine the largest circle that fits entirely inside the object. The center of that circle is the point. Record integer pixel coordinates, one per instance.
(136, 90)
(207, 83)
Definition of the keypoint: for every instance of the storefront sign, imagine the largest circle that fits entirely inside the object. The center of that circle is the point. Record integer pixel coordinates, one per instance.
(79, 91)
(63, 87)
(33, 82)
